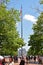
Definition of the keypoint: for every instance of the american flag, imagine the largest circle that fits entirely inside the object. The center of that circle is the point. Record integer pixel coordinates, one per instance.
(21, 11)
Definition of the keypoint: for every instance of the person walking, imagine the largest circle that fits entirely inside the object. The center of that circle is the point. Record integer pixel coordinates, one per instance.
(22, 62)
(11, 61)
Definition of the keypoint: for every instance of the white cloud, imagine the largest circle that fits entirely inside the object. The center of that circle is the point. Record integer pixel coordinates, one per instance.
(30, 18)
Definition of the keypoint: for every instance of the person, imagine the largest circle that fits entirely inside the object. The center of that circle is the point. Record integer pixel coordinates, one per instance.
(11, 61)
(22, 62)
(34, 58)
(15, 59)
(27, 59)
(39, 60)
(3, 61)
(0, 62)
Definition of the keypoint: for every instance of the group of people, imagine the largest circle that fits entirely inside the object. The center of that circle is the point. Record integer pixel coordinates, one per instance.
(28, 60)
(23, 60)
(3, 62)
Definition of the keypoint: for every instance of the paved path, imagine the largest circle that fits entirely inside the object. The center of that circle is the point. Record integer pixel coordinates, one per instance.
(27, 64)
(31, 62)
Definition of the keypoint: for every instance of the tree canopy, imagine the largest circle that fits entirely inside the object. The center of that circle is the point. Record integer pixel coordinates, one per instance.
(9, 36)
(41, 1)
(36, 40)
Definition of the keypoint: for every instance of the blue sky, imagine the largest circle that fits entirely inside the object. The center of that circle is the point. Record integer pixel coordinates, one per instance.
(30, 15)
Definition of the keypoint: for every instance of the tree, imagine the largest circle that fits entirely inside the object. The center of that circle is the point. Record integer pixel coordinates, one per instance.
(41, 1)
(36, 40)
(9, 36)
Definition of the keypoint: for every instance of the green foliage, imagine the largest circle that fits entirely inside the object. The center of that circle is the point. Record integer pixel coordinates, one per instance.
(9, 37)
(36, 40)
(41, 1)
(4, 1)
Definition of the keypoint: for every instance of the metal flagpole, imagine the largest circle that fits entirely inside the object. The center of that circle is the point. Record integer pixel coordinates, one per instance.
(21, 26)
(21, 23)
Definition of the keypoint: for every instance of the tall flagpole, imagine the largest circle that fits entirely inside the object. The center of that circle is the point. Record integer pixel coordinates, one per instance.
(21, 27)
(21, 23)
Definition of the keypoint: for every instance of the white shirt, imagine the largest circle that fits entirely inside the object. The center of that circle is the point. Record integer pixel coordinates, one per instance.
(12, 63)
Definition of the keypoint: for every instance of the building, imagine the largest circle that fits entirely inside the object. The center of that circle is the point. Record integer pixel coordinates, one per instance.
(22, 52)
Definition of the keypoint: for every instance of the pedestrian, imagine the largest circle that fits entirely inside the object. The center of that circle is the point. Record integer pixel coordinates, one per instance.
(34, 58)
(3, 61)
(39, 60)
(0, 62)
(11, 61)
(22, 62)
(27, 59)
(15, 59)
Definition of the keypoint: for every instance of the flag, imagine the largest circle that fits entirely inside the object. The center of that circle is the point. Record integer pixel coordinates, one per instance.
(21, 11)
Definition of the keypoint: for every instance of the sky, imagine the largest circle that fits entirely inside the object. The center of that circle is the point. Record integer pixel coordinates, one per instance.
(30, 13)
